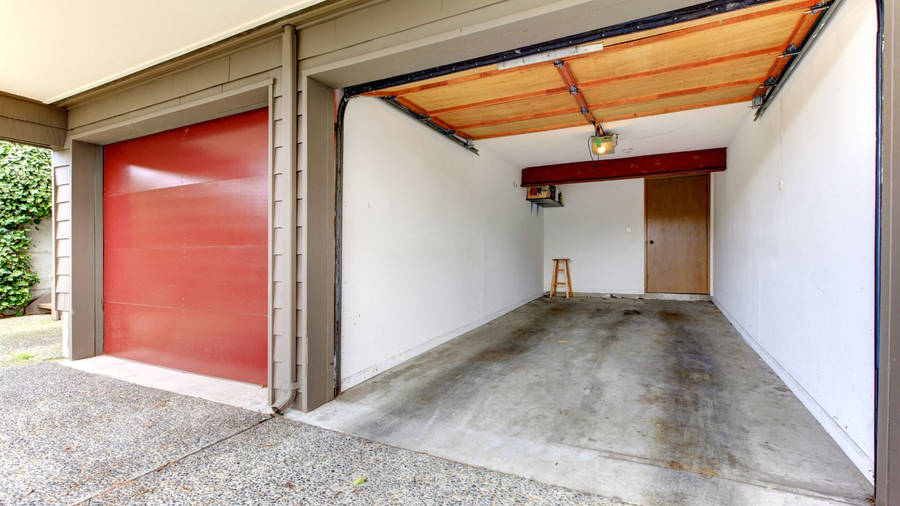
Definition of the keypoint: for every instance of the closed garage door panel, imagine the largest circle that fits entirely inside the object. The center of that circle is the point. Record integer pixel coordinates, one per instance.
(185, 247)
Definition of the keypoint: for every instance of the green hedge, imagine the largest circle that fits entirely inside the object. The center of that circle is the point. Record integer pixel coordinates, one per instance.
(25, 199)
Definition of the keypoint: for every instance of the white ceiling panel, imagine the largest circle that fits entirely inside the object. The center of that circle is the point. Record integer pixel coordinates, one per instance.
(53, 49)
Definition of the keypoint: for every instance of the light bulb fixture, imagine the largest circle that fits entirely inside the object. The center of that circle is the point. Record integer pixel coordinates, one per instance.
(603, 144)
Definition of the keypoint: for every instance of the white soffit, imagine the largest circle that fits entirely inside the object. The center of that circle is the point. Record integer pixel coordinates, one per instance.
(709, 127)
(53, 49)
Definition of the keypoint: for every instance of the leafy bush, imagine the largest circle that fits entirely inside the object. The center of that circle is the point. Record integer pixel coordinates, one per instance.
(25, 199)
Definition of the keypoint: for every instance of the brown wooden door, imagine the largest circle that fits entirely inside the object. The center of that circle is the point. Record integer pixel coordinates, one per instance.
(676, 211)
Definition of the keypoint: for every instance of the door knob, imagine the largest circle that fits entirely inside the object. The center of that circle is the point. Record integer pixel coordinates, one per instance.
(651, 241)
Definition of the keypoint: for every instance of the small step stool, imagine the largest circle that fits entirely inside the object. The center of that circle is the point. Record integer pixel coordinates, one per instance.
(556, 282)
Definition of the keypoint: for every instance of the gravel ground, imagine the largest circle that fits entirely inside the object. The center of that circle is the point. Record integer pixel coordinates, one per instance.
(68, 435)
(288, 462)
(35, 335)
(72, 437)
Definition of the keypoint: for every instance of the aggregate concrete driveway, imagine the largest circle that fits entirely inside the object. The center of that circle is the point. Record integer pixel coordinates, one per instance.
(32, 337)
(72, 437)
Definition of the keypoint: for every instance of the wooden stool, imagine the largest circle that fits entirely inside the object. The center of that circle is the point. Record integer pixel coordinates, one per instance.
(556, 282)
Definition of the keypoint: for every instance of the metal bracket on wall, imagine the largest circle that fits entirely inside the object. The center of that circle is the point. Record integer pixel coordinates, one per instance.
(465, 143)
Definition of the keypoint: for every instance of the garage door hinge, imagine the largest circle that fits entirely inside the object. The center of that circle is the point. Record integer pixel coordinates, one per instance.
(819, 7)
(792, 50)
(771, 81)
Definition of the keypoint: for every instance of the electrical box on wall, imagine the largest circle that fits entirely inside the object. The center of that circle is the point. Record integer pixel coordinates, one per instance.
(546, 196)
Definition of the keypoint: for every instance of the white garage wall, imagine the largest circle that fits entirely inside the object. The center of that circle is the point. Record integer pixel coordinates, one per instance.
(436, 240)
(601, 229)
(794, 231)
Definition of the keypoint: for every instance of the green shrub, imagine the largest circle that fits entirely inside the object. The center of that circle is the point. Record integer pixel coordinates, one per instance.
(25, 199)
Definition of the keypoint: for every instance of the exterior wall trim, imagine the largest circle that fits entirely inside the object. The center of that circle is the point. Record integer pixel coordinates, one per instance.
(227, 103)
(31, 122)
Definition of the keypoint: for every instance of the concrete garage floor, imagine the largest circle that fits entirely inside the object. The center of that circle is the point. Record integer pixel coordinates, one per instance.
(71, 437)
(648, 401)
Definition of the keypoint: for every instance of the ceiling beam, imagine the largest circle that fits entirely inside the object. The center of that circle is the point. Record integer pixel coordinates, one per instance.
(685, 162)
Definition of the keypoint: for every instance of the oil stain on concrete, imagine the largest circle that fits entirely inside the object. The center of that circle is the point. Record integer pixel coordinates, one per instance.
(652, 402)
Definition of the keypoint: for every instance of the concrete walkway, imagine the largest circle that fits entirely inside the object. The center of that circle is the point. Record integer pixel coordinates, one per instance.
(73, 437)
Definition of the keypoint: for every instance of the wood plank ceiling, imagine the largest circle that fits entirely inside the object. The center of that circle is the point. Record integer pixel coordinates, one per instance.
(720, 59)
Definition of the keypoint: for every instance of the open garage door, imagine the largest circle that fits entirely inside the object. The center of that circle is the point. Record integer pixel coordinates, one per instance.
(185, 246)
(445, 346)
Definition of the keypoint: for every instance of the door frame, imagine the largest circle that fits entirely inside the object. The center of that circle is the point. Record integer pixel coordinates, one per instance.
(708, 231)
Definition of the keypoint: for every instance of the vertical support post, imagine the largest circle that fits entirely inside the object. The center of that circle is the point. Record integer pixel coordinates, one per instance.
(270, 250)
(319, 212)
(887, 482)
(86, 318)
(285, 331)
(54, 312)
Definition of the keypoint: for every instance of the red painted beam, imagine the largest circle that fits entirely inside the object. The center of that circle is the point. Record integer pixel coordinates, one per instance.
(684, 162)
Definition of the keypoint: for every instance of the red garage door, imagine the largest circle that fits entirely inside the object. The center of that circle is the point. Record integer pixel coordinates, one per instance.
(184, 247)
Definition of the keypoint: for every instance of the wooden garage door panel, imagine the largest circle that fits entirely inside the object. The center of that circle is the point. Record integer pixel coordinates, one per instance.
(185, 247)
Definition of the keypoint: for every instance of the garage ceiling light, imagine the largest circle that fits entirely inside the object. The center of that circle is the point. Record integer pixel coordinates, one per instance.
(555, 54)
(603, 144)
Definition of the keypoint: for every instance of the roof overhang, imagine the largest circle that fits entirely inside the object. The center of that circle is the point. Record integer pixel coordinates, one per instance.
(53, 50)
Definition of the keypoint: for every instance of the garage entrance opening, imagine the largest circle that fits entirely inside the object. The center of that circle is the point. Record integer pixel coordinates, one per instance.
(759, 393)
(185, 218)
